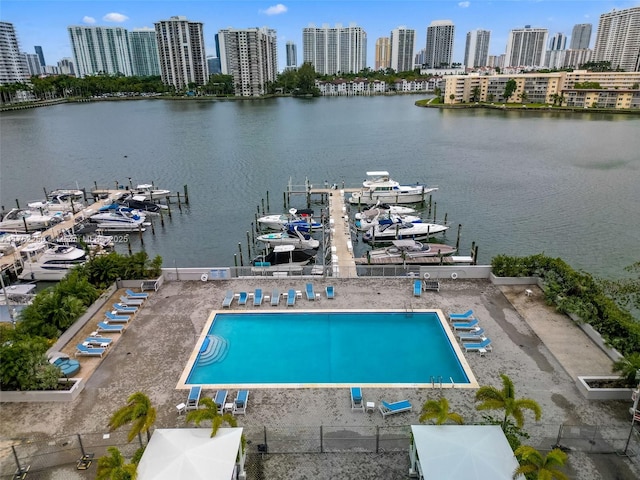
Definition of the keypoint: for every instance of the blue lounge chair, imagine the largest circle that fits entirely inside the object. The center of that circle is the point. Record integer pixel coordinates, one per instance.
(131, 301)
(257, 297)
(242, 299)
(291, 298)
(228, 299)
(194, 397)
(112, 317)
(220, 399)
(474, 347)
(121, 308)
(356, 399)
(311, 295)
(456, 317)
(67, 366)
(417, 288)
(240, 403)
(395, 407)
(106, 327)
(329, 291)
(82, 349)
(98, 341)
(275, 297)
(132, 294)
(465, 325)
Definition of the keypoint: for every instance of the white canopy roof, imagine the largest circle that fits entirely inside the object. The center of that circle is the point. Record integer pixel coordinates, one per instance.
(190, 453)
(464, 452)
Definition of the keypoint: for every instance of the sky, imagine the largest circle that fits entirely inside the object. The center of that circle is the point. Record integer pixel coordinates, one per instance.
(45, 22)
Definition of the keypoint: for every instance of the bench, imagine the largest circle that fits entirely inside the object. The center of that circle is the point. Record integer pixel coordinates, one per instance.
(150, 285)
(432, 285)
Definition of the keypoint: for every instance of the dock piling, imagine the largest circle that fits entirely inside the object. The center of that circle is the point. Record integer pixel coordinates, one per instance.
(140, 233)
(240, 250)
(458, 237)
(17, 203)
(268, 208)
(248, 243)
(186, 195)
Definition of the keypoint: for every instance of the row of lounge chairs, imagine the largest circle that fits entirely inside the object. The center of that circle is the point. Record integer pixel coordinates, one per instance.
(470, 334)
(259, 297)
(238, 407)
(385, 408)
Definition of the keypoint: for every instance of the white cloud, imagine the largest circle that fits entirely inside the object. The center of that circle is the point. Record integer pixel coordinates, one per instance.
(464, 4)
(89, 20)
(275, 10)
(115, 17)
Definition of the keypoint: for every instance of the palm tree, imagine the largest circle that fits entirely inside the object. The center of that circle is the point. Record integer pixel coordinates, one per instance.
(536, 466)
(438, 410)
(139, 412)
(628, 367)
(210, 412)
(113, 467)
(505, 399)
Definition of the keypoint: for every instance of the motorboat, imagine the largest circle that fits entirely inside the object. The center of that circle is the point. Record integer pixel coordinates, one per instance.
(75, 194)
(49, 261)
(380, 187)
(286, 255)
(399, 231)
(10, 241)
(409, 249)
(365, 224)
(119, 219)
(302, 218)
(58, 203)
(370, 211)
(150, 192)
(139, 202)
(290, 237)
(23, 220)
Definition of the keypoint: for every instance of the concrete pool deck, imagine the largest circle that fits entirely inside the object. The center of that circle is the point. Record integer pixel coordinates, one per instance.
(528, 345)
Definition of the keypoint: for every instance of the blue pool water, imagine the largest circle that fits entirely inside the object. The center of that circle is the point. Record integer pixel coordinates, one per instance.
(326, 348)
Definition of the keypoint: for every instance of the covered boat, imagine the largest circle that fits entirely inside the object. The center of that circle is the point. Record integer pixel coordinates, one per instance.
(380, 187)
(408, 249)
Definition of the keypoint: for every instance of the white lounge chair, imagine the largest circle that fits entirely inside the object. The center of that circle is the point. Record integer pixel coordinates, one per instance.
(395, 407)
(356, 399)
(474, 335)
(240, 403)
(275, 297)
(122, 308)
(228, 299)
(131, 301)
(194, 397)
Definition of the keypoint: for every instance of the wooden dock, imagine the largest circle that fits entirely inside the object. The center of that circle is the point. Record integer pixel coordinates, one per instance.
(342, 260)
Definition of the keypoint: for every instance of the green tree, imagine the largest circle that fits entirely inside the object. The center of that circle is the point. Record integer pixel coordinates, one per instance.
(307, 80)
(524, 96)
(114, 467)
(493, 399)
(535, 466)
(628, 367)
(139, 412)
(50, 313)
(210, 412)
(475, 94)
(438, 410)
(452, 97)
(509, 89)
(491, 97)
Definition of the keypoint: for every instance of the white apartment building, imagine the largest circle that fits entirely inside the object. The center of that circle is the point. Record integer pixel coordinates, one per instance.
(526, 47)
(439, 48)
(402, 46)
(476, 51)
(334, 50)
(618, 39)
(580, 36)
(144, 53)
(13, 65)
(100, 50)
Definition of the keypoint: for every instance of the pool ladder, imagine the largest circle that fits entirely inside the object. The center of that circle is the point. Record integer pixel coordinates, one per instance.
(437, 382)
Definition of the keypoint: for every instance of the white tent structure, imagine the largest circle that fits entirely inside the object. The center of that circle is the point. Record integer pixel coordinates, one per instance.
(176, 453)
(461, 452)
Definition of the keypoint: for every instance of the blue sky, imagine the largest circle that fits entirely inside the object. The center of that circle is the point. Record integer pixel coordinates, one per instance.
(45, 22)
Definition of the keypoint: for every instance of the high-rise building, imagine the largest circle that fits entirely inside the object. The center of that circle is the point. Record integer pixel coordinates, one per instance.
(335, 50)
(476, 51)
(40, 54)
(526, 47)
(251, 56)
(292, 55)
(33, 64)
(144, 53)
(213, 64)
(66, 67)
(181, 51)
(13, 66)
(558, 42)
(383, 54)
(100, 50)
(618, 39)
(577, 58)
(439, 49)
(402, 46)
(420, 57)
(580, 36)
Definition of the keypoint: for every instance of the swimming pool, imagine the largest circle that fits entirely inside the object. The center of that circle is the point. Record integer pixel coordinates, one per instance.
(327, 348)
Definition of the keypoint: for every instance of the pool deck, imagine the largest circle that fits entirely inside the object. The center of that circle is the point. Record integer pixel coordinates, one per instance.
(529, 343)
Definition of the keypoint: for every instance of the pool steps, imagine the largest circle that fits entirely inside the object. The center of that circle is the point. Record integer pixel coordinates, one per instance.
(214, 349)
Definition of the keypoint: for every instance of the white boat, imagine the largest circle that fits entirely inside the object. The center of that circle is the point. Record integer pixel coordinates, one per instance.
(18, 218)
(399, 231)
(379, 187)
(149, 192)
(49, 262)
(58, 203)
(365, 224)
(290, 237)
(383, 209)
(120, 219)
(10, 241)
(302, 218)
(408, 249)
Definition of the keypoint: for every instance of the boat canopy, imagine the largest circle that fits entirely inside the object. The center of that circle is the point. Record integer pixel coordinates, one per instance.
(380, 173)
(284, 248)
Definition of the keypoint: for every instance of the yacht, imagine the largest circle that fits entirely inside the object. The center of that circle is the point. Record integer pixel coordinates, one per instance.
(404, 230)
(302, 218)
(25, 220)
(149, 192)
(119, 219)
(49, 261)
(380, 187)
(290, 237)
(401, 250)
(58, 203)
(286, 255)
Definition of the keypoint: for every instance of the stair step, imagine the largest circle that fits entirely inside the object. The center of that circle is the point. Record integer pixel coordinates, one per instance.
(215, 351)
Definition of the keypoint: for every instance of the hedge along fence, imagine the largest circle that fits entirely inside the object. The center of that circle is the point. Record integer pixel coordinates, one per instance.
(576, 292)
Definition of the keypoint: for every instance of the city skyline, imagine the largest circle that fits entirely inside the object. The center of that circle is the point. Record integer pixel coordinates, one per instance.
(45, 22)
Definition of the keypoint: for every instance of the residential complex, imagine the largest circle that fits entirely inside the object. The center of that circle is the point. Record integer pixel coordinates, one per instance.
(526, 47)
(13, 65)
(292, 55)
(580, 36)
(402, 47)
(144, 53)
(333, 50)
(181, 50)
(100, 50)
(618, 39)
(251, 56)
(558, 42)
(383, 54)
(439, 49)
(476, 51)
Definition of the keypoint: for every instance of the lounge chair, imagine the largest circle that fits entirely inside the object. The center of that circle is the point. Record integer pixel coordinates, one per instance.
(220, 399)
(330, 292)
(68, 366)
(465, 325)
(474, 347)
(395, 407)
(98, 341)
(194, 397)
(356, 399)
(275, 297)
(240, 403)
(311, 295)
(417, 288)
(112, 317)
(132, 294)
(291, 298)
(456, 317)
(257, 297)
(474, 335)
(228, 299)
(131, 301)
(242, 299)
(84, 350)
(106, 327)
(122, 308)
